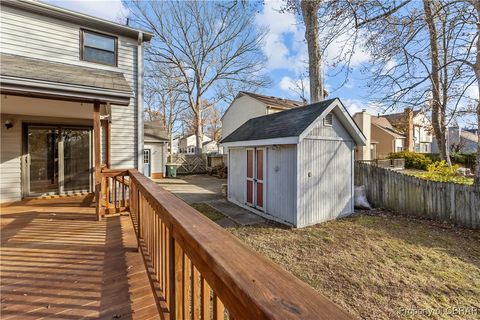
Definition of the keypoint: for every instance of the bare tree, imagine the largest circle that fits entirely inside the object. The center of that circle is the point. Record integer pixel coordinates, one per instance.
(209, 44)
(164, 100)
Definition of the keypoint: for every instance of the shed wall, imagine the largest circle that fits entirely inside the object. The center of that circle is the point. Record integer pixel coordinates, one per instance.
(325, 180)
(237, 170)
(158, 159)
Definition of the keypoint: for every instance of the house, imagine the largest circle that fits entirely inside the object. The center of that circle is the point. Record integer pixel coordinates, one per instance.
(155, 149)
(295, 166)
(459, 140)
(187, 144)
(212, 146)
(248, 105)
(396, 132)
(71, 99)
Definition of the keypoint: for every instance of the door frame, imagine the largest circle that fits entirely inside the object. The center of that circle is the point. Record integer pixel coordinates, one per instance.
(149, 151)
(254, 204)
(25, 158)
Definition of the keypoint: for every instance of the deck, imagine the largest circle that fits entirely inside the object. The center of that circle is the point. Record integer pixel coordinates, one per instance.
(58, 262)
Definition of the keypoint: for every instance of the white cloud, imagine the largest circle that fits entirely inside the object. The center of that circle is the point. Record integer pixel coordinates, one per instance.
(354, 105)
(112, 10)
(280, 55)
(342, 46)
(291, 87)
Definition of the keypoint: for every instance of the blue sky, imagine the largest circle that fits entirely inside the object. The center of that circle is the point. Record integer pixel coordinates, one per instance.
(284, 47)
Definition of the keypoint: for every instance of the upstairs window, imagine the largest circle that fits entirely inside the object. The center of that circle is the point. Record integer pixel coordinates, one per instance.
(328, 120)
(97, 47)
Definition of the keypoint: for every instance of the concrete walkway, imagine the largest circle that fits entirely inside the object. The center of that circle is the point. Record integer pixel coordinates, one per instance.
(208, 189)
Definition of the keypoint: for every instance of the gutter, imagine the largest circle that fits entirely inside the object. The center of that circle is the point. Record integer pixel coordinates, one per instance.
(31, 87)
(140, 129)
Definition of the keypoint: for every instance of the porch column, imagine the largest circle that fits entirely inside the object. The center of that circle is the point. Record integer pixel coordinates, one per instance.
(96, 151)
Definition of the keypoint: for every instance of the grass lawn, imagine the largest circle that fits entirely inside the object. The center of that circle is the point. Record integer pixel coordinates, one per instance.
(208, 211)
(374, 265)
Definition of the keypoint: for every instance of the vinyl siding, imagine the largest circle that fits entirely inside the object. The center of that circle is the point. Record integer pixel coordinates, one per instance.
(325, 189)
(336, 130)
(240, 111)
(158, 156)
(237, 170)
(281, 180)
(40, 37)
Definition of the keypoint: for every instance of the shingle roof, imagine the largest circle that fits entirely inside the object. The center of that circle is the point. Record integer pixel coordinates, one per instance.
(154, 130)
(398, 116)
(275, 101)
(42, 70)
(289, 123)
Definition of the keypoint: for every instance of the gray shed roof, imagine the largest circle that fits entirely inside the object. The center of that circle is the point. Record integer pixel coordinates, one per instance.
(43, 70)
(289, 123)
(155, 131)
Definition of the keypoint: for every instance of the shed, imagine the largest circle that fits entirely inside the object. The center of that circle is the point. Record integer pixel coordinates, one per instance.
(295, 166)
(155, 150)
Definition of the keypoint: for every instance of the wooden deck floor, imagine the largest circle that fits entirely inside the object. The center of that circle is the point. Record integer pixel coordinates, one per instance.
(57, 262)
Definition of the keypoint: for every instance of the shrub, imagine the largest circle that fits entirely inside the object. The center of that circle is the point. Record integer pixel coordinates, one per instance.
(412, 160)
(440, 171)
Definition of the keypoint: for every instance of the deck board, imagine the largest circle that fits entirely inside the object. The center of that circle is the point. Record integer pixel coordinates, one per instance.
(57, 262)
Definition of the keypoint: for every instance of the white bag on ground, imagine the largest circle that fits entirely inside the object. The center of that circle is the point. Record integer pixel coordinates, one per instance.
(360, 200)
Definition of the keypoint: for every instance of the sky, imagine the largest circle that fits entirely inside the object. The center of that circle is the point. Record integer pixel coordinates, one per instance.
(284, 47)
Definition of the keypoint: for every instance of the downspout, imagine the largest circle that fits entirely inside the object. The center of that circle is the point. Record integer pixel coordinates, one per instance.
(140, 71)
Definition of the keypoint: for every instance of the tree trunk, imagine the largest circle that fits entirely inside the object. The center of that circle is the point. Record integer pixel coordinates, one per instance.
(438, 113)
(309, 13)
(199, 131)
(477, 75)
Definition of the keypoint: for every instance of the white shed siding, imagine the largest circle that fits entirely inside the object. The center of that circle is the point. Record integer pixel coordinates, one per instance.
(336, 130)
(240, 111)
(158, 156)
(281, 182)
(36, 36)
(325, 189)
(237, 171)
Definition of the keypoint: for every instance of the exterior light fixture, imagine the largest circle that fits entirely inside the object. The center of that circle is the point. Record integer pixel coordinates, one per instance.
(8, 124)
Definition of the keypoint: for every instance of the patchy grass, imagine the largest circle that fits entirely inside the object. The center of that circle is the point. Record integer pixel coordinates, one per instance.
(375, 265)
(208, 211)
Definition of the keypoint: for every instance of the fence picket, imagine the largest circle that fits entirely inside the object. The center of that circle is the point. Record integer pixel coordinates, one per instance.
(442, 201)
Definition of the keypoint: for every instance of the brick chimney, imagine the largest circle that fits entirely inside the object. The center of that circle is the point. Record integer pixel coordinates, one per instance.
(409, 143)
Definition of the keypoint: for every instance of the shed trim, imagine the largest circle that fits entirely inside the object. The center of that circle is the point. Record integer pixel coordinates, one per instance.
(263, 142)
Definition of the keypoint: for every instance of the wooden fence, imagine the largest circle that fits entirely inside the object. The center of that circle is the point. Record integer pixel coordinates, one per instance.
(190, 164)
(442, 201)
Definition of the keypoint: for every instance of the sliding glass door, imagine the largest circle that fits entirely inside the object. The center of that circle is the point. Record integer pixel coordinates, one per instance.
(58, 160)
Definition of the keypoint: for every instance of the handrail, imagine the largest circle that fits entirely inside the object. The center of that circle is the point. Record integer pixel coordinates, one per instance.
(113, 192)
(201, 268)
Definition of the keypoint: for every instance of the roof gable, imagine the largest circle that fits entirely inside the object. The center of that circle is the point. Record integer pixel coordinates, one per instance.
(293, 123)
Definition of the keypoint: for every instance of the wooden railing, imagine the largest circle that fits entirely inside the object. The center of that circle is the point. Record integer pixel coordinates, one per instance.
(200, 271)
(113, 192)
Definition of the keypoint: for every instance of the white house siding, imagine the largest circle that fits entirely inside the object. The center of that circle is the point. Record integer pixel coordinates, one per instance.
(158, 156)
(240, 111)
(281, 182)
(36, 36)
(336, 130)
(237, 175)
(325, 166)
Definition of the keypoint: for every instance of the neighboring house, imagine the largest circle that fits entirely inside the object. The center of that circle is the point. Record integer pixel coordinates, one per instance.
(173, 148)
(247, 105)
(414, 125)
(71, 97)
(212, 146)
(155, 149)
(385, 134)
(187, 144)
(296, 166)
(459, 140)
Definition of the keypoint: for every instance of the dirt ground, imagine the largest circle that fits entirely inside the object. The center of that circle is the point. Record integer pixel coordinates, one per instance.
(380, 266)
